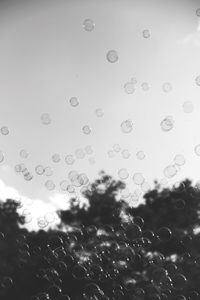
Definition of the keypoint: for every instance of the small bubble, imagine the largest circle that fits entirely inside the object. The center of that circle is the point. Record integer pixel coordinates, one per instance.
(64, 185)
(116, 148)
(145, 186)
(99, 112)
(74, 101)
(45, 119)
(170, 171)
(112, 56)
(167, 87)
(123, 173)
(28, 176)
(140, 155)
(4, 130)
(23, 153)
(129, 87)
(6, 282)
(179, 160)
(125, 153)
(197, 79)
(69, 159)
(88, 25)
(39, 169)
(145, 86)
(138, 178)
(127, 126)
(146, 33)
(167, 123)
(197, 150)
(42, 222)
(50, 185)
(79, 153)
(88, 150)
(86, 129)
(56, 157)
(188, 107)
(48, 171)
(1, 156)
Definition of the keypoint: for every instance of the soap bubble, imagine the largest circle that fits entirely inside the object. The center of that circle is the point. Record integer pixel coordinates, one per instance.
(1, 156)
(74, 101)
(140, 155)
(170, 171)
(116, 148)
(146, 33)
(86, 129)
(39, 169)
(197, 79)
(188, 107)
(88, 150)
(4, 130)
(45, 119)
(48, 171)
(112, 56)
(138, 178)
(197, 149)
(127, 126)
(129, 87)
(79, 153)
(123, 173)
(99, 112)
(125, 153)
(167, 87)
(179, 160)
(145, 86)
(56, 157)
(23, 153)
(167, 123)
(50, 185)
(88, 25)
(69, 159)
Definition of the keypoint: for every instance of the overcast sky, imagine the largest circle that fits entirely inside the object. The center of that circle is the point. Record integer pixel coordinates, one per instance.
(47, 57)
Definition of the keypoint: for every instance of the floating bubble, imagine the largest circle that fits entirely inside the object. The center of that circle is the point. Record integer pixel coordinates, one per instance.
(1, 156)
(140, 155)
(83, 179)
(145, 86)
(123, 173)
(99, 112)
(48, 171)
(88, 150)
(138, 178)
(50, 185)
(167, 124)
(28, 176)
(127, 126)
(70, 189)
(42, 222)
(56, 157)
(133, 231)
(188, 107)
(116, 148)
(129, 87)
(6, 282)
(179, 160)
(64, 185)
(179, 281)
(39, 169)
(69, 159)
(45, 119)
(125, 153)
(88, 25)
(74, 101)
(197, 150)
(86, 129)
(197, 79)
(50, 217)
(170, 171)
(79, 153)
(4, 130)
(166, 87)
(146, 33)
(112, 56)
(23, 153)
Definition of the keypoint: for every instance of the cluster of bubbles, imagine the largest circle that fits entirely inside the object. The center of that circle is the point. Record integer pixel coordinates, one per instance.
(172, 169)
(22, 169)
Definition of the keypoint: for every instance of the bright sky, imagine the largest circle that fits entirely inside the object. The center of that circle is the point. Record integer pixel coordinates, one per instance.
(47, 57)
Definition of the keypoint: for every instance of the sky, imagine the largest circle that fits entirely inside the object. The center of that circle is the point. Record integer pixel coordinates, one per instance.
(47, 57)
